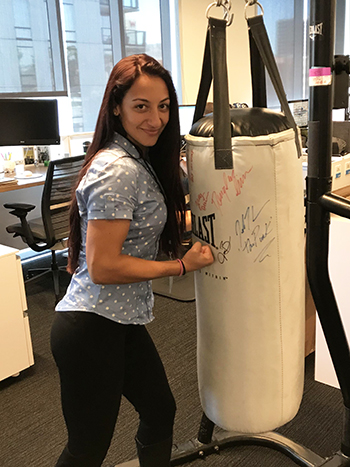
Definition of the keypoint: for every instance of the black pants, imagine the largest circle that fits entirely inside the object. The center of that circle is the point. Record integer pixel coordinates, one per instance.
(99, 361)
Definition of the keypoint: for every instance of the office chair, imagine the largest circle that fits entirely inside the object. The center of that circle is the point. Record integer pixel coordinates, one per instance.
(50, 231)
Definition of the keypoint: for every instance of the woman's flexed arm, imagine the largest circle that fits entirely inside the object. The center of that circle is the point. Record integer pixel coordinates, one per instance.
(108, 265)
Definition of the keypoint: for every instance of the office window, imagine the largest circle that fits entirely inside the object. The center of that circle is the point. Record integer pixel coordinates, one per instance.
(92, 37)
(287, 24)
(24, 45)
(97, 49)
(88, 41)
(31, 49)
(142, 31)
(98, 33)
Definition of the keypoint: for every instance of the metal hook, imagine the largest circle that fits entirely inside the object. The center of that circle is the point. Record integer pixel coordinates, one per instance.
(226, 4)
(252, 3)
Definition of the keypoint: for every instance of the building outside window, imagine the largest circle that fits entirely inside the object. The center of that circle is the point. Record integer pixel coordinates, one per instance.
(24, 45)
(30, 49)
(287, 23)
(68, 47)
(92, 48)
(142, 28)
(87, 26)
(94, 35)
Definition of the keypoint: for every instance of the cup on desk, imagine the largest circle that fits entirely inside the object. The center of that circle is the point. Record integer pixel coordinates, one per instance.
(9, 166)
(19, 169)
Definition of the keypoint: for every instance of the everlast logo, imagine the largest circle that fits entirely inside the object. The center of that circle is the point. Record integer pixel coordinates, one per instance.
(203, 228)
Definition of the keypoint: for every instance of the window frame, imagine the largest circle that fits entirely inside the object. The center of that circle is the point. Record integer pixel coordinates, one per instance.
(58, 57)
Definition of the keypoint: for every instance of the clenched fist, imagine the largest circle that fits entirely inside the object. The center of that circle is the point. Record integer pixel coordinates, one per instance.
(198, 257)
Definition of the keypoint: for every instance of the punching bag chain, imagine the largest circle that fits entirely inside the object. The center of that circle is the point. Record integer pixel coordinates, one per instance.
(252, 3)
(226, 4)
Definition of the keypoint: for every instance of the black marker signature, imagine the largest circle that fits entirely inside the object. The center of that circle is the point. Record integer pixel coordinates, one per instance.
(257, 236)
(247, 222)
(263, 253)
(226, 247)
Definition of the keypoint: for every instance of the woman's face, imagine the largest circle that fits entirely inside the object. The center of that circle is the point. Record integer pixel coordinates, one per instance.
(144, 111)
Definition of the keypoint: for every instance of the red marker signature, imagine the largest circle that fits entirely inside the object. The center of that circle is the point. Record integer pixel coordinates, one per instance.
(202, 200)
(229, 179)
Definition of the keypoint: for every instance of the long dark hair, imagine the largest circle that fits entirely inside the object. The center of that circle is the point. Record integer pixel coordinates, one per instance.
(164, 155)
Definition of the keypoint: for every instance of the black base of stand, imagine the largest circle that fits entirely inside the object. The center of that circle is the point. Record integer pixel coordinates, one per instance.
(302, 456)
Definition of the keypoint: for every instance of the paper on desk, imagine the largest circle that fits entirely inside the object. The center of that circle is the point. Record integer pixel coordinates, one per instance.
(6, 180)
(28, 177)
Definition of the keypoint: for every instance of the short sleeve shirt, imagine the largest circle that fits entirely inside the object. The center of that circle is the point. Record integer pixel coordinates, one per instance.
(118, 185)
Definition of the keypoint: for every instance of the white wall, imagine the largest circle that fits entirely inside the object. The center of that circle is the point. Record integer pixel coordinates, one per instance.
(193, 25)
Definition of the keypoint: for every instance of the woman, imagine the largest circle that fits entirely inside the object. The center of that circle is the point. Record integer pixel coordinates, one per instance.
(128, 200)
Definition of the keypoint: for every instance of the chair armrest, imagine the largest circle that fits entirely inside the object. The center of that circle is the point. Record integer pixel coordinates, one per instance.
(19, 209)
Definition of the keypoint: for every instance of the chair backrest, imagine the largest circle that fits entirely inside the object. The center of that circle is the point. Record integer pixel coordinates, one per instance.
(60, 182)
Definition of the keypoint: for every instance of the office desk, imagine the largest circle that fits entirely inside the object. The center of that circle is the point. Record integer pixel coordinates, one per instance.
(24, 182)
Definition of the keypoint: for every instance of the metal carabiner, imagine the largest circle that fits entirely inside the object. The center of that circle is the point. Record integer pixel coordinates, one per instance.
(252, 3)
(226, 4)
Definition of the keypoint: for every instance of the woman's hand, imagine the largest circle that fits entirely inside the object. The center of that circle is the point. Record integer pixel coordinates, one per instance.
(198, 257)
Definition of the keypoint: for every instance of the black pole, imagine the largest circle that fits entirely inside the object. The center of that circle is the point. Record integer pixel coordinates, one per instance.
(319, 198)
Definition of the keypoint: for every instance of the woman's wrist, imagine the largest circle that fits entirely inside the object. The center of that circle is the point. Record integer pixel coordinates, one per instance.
(182, 267)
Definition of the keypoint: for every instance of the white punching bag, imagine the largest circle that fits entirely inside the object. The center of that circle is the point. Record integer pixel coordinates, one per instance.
(250, 301)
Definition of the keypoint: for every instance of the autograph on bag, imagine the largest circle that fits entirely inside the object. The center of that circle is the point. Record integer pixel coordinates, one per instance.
(225, 247)
(254, 230)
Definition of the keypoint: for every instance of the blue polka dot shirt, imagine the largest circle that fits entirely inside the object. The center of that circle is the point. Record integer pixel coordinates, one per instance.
(118, 185)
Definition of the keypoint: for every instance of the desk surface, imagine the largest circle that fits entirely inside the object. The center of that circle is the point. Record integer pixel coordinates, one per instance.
(24, 182)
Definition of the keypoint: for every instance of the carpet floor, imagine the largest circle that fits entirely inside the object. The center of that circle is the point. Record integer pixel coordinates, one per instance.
(33, 431)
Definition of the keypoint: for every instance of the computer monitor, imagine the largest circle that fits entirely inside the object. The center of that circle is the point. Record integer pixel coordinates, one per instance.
(30, 122)
(186, 113)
